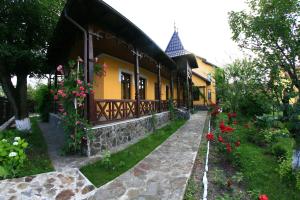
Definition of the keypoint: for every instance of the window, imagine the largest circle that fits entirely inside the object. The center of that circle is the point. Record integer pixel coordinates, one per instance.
(209, 94)
(126, 86)
(142, 87)
(156, 91)
(167, 92)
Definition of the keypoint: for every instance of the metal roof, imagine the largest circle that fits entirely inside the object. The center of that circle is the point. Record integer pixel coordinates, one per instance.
(175, 47)
(175, 50)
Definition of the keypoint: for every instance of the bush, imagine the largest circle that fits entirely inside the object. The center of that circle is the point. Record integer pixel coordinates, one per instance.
(254, 104)
(12, 155)
(272, 135)
(283, 148)
(255, 136)
(42, 97)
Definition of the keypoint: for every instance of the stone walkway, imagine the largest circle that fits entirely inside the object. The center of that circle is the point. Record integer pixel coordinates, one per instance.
(69, 184)
(164, 173)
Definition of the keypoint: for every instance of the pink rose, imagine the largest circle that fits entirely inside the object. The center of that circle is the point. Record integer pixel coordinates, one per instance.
(79, 82)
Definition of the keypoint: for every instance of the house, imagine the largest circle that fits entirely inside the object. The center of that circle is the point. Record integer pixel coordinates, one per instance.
(140, 78)
(202, 72)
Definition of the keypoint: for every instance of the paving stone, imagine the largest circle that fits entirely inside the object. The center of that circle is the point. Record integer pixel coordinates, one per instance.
(164, 173)
(65, 195)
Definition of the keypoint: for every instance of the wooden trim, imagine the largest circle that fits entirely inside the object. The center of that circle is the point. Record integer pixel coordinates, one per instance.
(159, 86)
(137, 82)
(110, 110)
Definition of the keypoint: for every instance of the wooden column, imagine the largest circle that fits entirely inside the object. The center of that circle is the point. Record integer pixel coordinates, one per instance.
(137, 83)
(159, 86)
(91, 106)
(172, 85)
(178, 91)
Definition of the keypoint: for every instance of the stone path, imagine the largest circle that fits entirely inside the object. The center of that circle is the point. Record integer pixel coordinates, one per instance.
(69, 184)
(55, 138)
(164, 173)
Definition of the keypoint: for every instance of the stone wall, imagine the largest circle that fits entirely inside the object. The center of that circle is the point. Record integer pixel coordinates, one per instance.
(123, 133)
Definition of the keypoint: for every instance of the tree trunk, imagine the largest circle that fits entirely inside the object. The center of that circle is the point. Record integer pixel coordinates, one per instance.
(17, 97)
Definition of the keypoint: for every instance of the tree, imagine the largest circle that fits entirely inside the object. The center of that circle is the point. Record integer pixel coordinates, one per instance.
(26, 27)
(242, 87)
(271, 30)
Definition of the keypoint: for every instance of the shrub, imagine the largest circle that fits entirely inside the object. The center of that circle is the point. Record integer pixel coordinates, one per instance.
(272, 135)
(42, 98)
(12, 156)
(283, 148)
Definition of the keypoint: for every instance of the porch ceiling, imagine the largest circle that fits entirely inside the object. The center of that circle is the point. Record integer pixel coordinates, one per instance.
(97, 12)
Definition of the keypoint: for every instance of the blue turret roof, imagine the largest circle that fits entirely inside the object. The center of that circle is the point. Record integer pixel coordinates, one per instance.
(175, 47)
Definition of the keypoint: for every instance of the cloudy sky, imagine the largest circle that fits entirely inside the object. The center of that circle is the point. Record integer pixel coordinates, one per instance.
(203, 24)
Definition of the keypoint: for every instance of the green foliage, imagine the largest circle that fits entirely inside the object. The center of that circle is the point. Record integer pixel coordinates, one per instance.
(272, 135)
(12, 155)
(241, 88)
(106, 160)
(41, 96)
(171, 109)
(238, 177)
(219, 178)
(26, 28)
(191, 190)
(285, 168)
(99, 174)
(298, 180)
(70, 96)
(283, 148)
(270, 29)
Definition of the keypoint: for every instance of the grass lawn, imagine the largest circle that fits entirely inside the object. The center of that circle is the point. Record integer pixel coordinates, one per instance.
(38, 160)
(122, 161)
(259, 170)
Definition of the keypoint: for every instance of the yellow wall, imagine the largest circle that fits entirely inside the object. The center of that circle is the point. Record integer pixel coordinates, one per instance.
(199, 82)
(109, 86)
(205, 70)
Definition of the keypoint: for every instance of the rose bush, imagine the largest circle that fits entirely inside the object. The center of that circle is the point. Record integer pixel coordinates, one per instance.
(70, 96)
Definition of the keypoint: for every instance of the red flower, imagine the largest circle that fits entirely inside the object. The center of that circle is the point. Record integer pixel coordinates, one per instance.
(263, 197)
(227, 129)
(222, 125)
(228, 148)
(220, 139)
(55, 97)
(210, 136)
(78, 122)
(237, 143)
(235, 122)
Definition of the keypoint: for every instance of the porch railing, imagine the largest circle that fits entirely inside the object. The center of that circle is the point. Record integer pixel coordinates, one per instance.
(110, 110)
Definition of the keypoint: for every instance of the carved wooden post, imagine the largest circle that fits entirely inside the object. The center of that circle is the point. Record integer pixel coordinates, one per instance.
(178, 91)
(91, 107)
(159, 87)
(137, 82)
(172, 85)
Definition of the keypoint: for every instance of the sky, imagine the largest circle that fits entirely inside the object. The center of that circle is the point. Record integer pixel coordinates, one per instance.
(202, 24)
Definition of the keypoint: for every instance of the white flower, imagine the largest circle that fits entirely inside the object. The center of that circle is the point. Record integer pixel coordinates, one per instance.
(15, 143)
(17, 138)
(4, 140)
(12, 154)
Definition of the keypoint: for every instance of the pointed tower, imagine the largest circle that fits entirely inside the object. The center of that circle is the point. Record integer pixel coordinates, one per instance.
(185, 62)
(175, 47)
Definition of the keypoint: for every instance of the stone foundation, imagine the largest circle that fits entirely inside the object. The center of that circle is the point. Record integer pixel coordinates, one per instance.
(111, 136)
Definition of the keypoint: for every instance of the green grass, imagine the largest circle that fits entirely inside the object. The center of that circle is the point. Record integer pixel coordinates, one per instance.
(122, 161)
(259, 169)
(38, 159)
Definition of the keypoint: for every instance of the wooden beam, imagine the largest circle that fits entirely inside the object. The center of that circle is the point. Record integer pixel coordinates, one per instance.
(159, 86)
(172, 85)
(137, 56)
(91, 106)
(178, 90)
